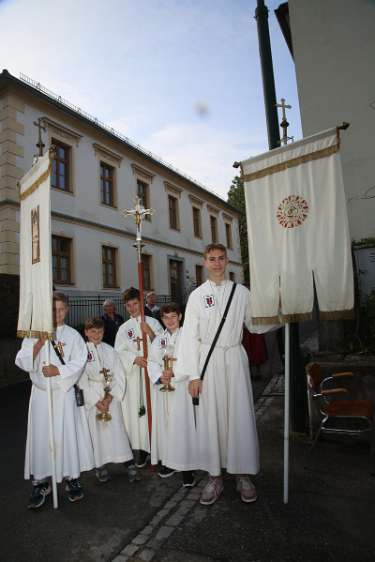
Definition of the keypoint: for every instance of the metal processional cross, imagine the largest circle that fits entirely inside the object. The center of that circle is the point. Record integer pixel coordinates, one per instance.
(139, 212)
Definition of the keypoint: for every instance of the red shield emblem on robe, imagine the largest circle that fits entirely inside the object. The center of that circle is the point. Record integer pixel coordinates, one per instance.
(163, 343)
(131, 334)
(209, 301)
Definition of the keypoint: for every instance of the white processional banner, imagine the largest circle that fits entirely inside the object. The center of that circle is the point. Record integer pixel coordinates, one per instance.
(35, 316)
(298, 231)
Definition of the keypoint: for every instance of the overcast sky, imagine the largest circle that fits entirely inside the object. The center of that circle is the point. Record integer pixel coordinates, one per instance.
(180, 77)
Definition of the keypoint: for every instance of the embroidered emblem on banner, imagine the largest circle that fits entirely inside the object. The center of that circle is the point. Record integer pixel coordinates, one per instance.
(131, 334)
(292, 211)
(209, 301)
(163, 343)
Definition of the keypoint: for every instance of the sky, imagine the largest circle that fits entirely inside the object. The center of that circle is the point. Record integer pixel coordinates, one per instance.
(179, 77)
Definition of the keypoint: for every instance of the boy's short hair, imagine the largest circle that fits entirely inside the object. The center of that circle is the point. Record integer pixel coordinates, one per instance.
(170, 307)
(211, 247)
(57, 296)
(94, 323)
(131, 294)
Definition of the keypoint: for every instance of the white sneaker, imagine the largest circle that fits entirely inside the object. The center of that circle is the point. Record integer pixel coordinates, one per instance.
(212, 491)
(246, 489)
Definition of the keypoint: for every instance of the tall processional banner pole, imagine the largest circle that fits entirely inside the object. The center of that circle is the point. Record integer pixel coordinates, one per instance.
(299, 240)
(138, 213)
(35, 318)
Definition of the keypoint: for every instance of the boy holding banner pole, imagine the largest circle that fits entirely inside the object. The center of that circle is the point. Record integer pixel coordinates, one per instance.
(61, 368)
(225, 418)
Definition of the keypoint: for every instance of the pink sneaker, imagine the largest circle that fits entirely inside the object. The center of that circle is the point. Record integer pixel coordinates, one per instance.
(212, 491)
(246, 489)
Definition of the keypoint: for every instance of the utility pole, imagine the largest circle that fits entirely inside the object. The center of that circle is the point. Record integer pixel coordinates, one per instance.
(297, 375)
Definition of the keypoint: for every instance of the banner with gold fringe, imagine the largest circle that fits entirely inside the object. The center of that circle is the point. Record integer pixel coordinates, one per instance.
(35, 317)
(298, 231)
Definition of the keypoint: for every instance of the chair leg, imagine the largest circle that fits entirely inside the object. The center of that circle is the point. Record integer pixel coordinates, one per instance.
(372, 452)
(309, 451)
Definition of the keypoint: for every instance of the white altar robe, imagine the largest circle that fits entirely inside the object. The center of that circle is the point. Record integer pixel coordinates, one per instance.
(109, 439)
(72, 438)
(126, 346)
(226, 427)
(173, 440)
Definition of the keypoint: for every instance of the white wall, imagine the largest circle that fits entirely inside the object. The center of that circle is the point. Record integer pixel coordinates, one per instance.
(334, 49)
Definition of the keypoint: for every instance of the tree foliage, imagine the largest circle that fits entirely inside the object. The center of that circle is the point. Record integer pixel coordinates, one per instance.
(236, 197)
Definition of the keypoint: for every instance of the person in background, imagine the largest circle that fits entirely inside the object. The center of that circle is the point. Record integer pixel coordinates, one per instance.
(255, 347)
(112, 322)
(151, 308)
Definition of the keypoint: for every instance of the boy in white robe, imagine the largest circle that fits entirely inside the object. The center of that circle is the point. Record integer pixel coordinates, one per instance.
(103, 384)
(71, 433)
(173, 416)
(129, 346)
(226, 427)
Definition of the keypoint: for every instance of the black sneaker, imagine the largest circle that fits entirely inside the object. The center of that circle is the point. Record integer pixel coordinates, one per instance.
(102, 475)
(133, 474)
(74, 489)
(165, 472)
(140, 458)
(188, 480)
(39, 494)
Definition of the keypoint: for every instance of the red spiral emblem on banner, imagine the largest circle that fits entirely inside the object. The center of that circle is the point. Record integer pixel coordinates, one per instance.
(292, 211)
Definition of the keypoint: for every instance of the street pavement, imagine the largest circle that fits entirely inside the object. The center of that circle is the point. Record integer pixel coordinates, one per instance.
(330, 515)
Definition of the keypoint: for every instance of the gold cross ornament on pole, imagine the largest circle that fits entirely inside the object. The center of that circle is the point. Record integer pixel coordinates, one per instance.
(284, 122)
(139, 213)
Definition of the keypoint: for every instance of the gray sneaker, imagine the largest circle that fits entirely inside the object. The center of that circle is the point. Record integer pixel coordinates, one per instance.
(39, 493)
(246, 489)
(133, 474)
(212, 491)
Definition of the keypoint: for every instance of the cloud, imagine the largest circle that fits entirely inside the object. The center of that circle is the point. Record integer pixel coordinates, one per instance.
(205, 153)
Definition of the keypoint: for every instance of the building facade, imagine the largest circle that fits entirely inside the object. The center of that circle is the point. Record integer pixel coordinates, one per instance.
(96, 174)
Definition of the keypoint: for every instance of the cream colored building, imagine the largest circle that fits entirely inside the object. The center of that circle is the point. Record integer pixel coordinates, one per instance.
(97, 173)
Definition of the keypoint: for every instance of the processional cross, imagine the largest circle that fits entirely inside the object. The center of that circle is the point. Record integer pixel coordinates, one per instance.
(284, 122)
(105, 372)
(139, 213)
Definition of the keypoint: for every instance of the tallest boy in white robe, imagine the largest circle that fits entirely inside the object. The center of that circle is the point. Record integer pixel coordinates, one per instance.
(226, 428)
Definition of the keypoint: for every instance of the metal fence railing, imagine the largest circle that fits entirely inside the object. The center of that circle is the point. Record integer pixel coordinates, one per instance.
(88, 306)
(83, 307)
